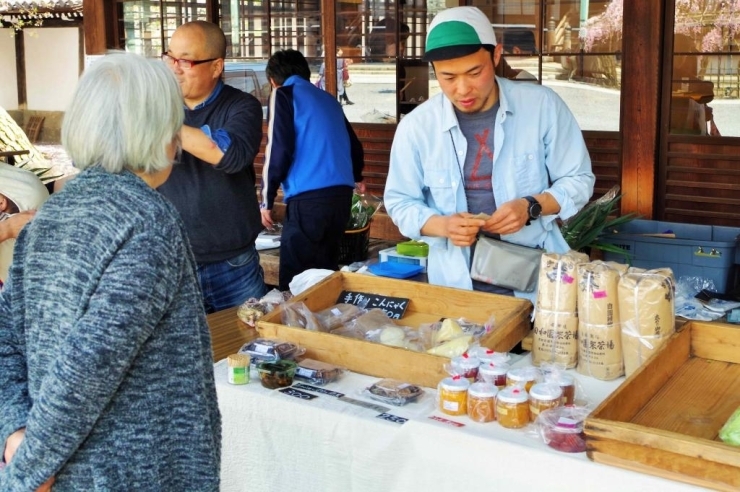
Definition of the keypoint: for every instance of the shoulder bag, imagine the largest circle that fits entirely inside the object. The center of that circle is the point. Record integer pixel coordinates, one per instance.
(506, 264)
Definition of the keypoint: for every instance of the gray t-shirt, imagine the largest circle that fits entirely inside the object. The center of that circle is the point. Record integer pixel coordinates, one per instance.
(478, 129)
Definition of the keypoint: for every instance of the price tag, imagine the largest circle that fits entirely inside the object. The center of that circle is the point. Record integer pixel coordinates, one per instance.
(364, 404)
(392, 418)
(295, 393)
(445, 421)
(316, 389)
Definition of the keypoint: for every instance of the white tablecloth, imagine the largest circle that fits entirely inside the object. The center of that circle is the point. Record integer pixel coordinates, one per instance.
(272, 441)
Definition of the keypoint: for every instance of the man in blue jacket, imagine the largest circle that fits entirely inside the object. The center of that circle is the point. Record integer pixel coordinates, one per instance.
(314, 153)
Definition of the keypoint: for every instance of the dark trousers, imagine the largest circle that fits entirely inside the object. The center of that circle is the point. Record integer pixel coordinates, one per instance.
(312, 230)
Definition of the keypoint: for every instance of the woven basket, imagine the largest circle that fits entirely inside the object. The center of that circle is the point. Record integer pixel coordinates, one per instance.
(354, 244)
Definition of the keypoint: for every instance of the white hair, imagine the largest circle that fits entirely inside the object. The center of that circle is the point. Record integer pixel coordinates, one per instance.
(125, 111)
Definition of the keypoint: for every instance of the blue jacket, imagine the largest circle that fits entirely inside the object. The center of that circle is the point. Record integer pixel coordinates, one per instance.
(310, 143)
(538, 147)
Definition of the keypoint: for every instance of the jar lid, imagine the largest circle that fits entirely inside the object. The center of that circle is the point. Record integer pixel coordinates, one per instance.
(528, 373)
(482, 390)
(494, 369)
(512, 394)
(545, 391)
(565, 379)
(486, 355)
(465, 362)
(455, 384)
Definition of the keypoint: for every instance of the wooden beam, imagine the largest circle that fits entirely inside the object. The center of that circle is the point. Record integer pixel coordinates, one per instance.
(93, 11)
(20, 69)
(328, 33)
(640, 103)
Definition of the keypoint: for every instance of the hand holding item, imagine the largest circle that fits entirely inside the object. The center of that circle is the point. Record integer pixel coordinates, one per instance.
(11, 446)
(509, 218)
(267, 218)
(463, 228)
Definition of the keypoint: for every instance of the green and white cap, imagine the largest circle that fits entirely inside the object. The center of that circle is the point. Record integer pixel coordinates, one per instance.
(457, 32)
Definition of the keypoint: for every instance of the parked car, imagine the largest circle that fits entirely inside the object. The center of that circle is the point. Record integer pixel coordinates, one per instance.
(251, 78)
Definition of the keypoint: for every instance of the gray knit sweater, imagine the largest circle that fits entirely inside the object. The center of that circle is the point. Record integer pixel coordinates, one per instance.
(105, 355)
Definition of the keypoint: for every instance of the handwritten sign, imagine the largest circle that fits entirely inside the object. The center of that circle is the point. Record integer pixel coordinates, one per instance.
(394, 307)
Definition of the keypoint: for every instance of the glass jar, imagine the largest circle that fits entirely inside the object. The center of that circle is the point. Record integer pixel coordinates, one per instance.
(453, 396)
(567, 383)
(544, 396)
(524, 376)
(465, 366)
(512, 407)
(238, 368)
(494, 373)
(482, 402)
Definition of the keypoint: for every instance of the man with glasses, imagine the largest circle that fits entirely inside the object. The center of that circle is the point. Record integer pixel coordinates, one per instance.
(213, 186)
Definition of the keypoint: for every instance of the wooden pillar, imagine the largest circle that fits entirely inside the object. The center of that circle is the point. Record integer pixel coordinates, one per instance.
(329, 29)
(640, 103)
(94, 15)
(20, 69)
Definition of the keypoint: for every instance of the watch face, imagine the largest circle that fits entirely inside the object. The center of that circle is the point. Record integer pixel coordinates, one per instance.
(535, 210)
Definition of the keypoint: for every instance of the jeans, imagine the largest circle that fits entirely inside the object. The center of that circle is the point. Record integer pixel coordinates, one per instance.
(230, 282)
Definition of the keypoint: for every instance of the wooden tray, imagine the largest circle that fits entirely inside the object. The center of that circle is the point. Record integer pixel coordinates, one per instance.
(428, 303)
(665, 418)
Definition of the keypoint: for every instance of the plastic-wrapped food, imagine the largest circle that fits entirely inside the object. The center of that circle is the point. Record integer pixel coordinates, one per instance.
(394, 392)
(561, 428)
(337, 315)
(277, 374)
(251, 311)
(730, 432)
(317, 372)
(270, 350)
(297, 315)
(369, 322)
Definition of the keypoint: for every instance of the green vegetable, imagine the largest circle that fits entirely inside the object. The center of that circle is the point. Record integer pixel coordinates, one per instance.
(362, 210)
(730, 432)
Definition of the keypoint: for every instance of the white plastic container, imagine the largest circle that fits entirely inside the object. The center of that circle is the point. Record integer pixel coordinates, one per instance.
(390, 254)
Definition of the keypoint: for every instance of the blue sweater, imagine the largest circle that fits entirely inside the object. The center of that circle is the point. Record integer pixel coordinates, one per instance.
(105, 355)
(310, 144)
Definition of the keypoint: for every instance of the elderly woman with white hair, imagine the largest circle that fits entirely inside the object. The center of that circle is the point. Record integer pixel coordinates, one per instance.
(106, 376)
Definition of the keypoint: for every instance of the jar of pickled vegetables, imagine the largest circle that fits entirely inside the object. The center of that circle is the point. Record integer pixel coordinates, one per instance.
(524, 376)
(567, 383)
(494, 373)
(482, 402)
(544, 396)
(512, 407)
(453, 395)
(465, 366)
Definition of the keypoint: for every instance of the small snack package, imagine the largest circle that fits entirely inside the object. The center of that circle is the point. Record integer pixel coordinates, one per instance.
(394, 392)
(251, 311)
(561, 428)
(317, 372)
(270, 350)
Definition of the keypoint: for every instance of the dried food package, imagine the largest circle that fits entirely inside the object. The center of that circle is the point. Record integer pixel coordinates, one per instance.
(317, 372)
(394, 392)
(270, 350)
(369, 322)
(337, 315)
(297, 315)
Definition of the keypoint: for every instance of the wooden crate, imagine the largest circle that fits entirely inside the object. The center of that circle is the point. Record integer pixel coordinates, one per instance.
(428, 303)
(665, 418)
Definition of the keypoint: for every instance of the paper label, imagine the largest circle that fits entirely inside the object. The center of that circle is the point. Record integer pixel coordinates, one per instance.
(450, 405)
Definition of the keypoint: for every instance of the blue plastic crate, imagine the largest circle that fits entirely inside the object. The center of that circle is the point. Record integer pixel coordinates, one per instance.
(697, 250)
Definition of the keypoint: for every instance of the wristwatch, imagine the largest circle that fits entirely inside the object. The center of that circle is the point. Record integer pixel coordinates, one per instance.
(535, 209)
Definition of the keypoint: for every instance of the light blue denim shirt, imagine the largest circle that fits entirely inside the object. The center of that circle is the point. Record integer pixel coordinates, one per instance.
(538, 147)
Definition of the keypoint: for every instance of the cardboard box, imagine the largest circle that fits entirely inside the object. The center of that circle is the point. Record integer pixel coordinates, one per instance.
(428, 303)
(696, 250)
(665, 418)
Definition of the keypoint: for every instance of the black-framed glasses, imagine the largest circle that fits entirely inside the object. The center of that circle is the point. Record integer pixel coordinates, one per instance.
(182, 62)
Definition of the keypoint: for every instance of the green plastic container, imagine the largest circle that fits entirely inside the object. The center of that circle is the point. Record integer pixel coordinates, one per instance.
(413, 248)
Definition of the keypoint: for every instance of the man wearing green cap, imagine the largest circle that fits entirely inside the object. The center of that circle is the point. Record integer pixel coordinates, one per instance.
(511, 150)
